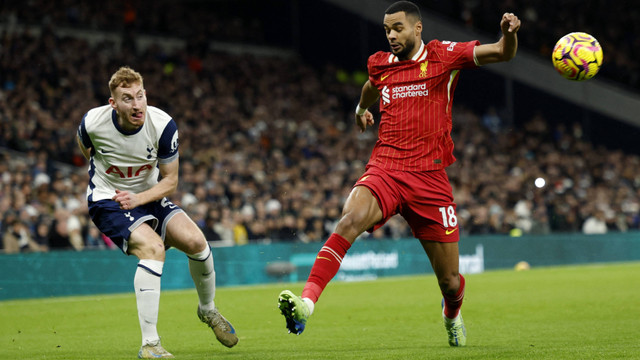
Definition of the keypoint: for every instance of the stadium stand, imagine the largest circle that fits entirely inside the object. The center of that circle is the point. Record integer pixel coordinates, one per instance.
(268, 148)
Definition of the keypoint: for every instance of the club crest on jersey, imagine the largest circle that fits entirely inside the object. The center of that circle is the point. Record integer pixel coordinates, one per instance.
(150, 151)
(423, 70)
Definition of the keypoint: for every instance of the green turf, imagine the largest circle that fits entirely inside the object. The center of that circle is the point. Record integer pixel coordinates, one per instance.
(585, 312)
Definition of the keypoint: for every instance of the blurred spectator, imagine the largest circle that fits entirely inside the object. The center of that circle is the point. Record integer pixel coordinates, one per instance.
(17, 238)
(595, 224)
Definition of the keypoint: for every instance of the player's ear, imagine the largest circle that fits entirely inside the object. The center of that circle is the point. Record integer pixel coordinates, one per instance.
(112, 102)
(418, 28)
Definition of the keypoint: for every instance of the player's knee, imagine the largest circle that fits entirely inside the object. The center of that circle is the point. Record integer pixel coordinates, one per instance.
(153, 250)
(197, 246)
(193, 243)
(349, 225)
(449, 284)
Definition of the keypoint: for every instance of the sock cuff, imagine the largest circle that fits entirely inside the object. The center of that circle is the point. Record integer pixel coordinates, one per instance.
(202, 255)
(312, 291)
(153, 267)
(337, 242)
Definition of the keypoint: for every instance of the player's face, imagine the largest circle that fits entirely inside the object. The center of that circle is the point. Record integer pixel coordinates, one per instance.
(403, 33)
(131, 105)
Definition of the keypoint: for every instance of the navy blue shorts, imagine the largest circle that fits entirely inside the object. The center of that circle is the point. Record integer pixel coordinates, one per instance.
(118, 224)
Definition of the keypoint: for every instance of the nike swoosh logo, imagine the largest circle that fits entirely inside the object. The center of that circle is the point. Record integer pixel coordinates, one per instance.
(384, 77)
(449, 232)
(145, 289)
(106, 151)
(207, 274)
(322, 257)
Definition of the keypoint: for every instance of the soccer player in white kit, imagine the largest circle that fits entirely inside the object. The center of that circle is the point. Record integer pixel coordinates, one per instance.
(130, 146)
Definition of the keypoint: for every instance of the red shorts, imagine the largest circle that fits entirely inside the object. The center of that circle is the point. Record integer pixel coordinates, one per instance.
(423, 198)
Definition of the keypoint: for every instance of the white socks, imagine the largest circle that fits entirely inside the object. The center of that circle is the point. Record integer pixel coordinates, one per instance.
(204, 277)
(310, 305)
(147, 287)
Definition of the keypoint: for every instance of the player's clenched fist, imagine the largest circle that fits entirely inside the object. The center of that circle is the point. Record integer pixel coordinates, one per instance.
(509, 23)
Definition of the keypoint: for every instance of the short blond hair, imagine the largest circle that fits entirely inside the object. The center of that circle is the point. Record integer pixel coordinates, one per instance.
(124, 77)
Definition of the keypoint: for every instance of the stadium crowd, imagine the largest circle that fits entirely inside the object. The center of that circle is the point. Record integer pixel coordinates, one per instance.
(232, 21)
(269, 151)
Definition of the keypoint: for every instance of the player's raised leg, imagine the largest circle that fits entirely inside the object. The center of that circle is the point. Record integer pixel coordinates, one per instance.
(296, 309)
(360, 212)
(184, 234)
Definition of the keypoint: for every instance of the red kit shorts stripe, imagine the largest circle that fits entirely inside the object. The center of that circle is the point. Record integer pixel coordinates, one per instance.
(423, 198)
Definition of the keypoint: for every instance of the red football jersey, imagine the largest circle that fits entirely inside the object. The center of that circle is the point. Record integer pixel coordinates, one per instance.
(415, 105)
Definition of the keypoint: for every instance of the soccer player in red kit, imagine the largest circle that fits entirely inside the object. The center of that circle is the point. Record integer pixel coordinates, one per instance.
(406, 172)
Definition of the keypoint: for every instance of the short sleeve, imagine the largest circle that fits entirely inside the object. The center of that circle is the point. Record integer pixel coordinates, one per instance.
(83, 135)
(168, 144)
(456, 55)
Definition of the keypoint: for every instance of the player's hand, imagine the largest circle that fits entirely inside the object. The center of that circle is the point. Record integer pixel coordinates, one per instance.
(364, 120)
(509, 23)
(127, 200)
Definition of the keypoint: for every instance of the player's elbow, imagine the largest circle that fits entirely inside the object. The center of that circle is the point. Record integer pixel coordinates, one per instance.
(173, 186)
(508, 55)
(504, 54)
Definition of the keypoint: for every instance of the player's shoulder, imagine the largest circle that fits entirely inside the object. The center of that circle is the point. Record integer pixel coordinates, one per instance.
(449, 45)
(380, 57)
(439, 44)
(158, 114)
(98, 114)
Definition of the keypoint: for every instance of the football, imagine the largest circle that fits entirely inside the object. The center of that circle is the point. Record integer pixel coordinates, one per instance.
(577, 56)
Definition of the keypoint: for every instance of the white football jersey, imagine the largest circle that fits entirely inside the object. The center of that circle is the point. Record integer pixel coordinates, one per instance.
(126, 160)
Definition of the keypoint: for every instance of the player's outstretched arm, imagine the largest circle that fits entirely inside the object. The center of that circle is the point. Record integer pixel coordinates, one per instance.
(368, 96)
(505, 49)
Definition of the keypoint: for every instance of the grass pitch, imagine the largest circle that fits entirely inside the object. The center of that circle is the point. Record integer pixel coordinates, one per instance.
(583, 312)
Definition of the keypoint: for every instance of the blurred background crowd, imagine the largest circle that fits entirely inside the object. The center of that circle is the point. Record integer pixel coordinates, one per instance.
(268, 148)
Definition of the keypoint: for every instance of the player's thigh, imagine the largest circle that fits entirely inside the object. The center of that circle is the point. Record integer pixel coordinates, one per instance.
(184, 234)
(361, 211)
(118, 224)
(373, 200)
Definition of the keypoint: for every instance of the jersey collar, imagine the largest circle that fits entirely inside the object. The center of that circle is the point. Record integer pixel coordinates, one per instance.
(114, 119)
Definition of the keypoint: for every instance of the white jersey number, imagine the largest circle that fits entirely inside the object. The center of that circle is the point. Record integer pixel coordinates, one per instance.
(449, 218)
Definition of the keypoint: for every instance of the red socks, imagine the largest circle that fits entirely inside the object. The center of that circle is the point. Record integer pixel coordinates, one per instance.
(453, 303)
(326, 266)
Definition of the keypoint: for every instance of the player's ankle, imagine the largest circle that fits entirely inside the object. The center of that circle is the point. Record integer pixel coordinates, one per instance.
(310, 304)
